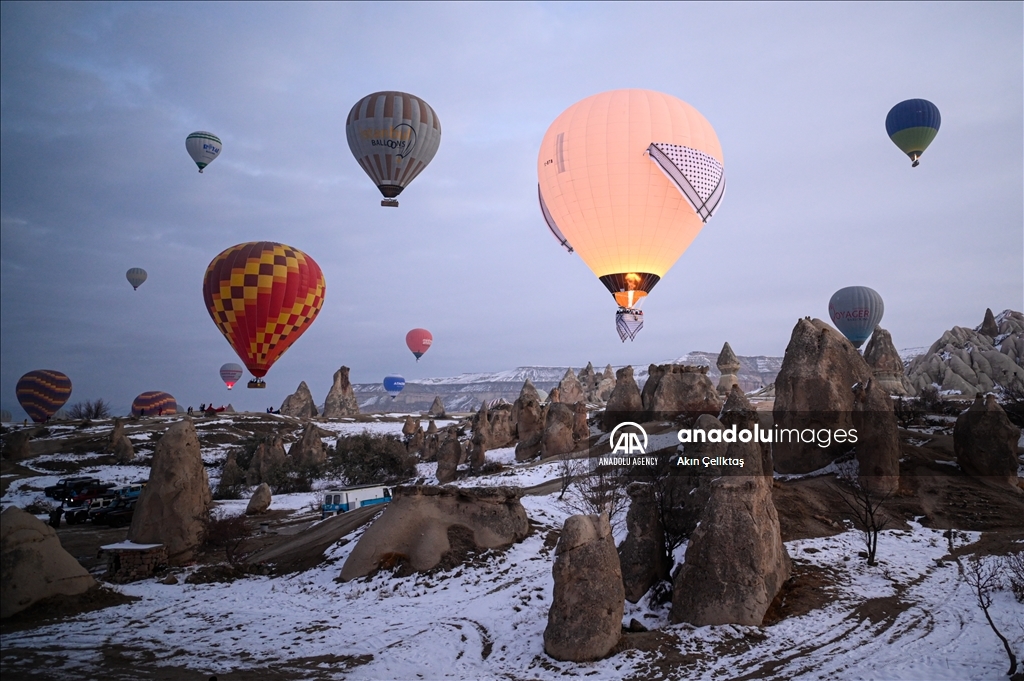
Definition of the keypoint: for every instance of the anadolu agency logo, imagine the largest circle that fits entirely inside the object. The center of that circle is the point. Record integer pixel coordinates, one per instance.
(629, 445)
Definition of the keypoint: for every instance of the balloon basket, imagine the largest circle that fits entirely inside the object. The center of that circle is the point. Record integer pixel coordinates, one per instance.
(389, 203)
(257, 383)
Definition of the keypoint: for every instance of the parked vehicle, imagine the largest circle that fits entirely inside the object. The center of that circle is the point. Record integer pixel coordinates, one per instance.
(351, 498)
(68, 487)
(117, 507)
(131, 491)
(121, 515)
(82, 511)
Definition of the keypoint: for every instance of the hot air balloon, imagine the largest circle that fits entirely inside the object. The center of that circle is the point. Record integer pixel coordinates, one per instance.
(912, 125)
(42, 392)
(393, 136)
(856, 311)
(419, 341)
(263, 296)
(136, 277)
(203, 147)
(627, 179)
(230, 373)
(393, 384)
(154, 403)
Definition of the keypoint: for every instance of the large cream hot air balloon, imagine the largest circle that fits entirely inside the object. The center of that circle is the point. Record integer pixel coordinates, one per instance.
(627, 180)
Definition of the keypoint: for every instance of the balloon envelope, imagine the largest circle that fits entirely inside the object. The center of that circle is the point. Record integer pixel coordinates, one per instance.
(262, 296)
(419, 341)
(912, 125)
(393, 136)
(42, 392)
(203, 147)
(627, 180)
(154, 403)
(136, 277)
(393, 384)
(230, 373)
(856, 311)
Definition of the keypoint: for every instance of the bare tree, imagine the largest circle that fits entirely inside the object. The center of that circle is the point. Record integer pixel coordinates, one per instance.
(602, 490)
(1013, 565)
(89, 409)
(866, 507)
(984, 579)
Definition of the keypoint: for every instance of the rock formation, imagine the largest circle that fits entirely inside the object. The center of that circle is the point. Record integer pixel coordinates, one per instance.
(528, 417)
(437, 408)
(231, 476)
(260, 500)
(728, 364)
(411, 425)
(341, 399)
(309, 450)
(559, 436)
(120, 445)
(673, 389)
(878, 438)
(174, 505)
(585, 619)
(431, 443)
(299, 404)
(16, 444)
(988, 325)
(985, 442)
(33, 564)
(885, 363)
(735, 562)
(813, 390)
(642, 553)
(493, 426)
(418, 526)
(268, 458)
(449, 454)
(570, 390)
(587, 379)
(738, 411)
(605, 386)
(624, 403)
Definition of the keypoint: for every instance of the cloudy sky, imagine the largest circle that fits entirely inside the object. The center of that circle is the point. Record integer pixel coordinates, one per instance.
(97, 100)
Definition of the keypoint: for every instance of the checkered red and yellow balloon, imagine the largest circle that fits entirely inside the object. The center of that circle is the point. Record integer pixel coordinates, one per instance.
(262, 296)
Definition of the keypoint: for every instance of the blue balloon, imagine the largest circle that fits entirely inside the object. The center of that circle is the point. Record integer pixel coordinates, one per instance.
(856, 311)
(393, 384)
(912, 125)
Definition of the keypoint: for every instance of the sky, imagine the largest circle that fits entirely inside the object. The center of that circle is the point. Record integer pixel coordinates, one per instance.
(96, 101)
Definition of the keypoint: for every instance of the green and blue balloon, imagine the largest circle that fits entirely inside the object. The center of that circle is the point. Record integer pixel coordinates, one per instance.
(912, 125)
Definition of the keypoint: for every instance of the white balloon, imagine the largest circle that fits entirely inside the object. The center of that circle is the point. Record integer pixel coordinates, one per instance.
(203, 147)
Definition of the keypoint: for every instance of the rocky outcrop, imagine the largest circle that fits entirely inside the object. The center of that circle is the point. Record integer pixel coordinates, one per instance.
(587, 379)
(260, 500)
(672, 389)
(740, 412)
(16, 444)
(436, 408)
(813, 390)
(341, 399)
(988, 324)
(299, 404)
(268, 458)
(985, 442)
(729, 365)
(33, 564)
(492, 427)
(309, 450)
(449, 455)
(878, 438)
(624, 403)
(972, 361)
(174, 505)
(642, 554)
(585, 619)
(735, 562)
(560, 430)
(120, 445)
(885, 363)
(418, 527)
(605, 385)
(570, 390)
(411, 425)
(528, 417)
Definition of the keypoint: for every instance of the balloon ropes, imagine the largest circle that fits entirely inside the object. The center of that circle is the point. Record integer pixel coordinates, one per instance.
(856, 311)
(393, 385)
(136, 277)
(393, 136)
(262, 296)
(203, 147)
(912, 125)
(154, 403)
(419, 341)
(627, 180)
(230, 373)
(42, 392)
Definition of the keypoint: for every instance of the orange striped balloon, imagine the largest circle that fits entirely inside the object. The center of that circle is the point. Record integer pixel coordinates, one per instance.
(262, 296)
(42, 392)
(154, 403)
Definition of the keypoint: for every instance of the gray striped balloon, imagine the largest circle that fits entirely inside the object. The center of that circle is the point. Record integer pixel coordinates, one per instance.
(856, 311)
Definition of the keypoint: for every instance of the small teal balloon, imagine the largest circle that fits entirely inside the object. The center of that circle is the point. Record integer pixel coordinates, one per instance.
(393, 384)
(136, 277)
(856, 311)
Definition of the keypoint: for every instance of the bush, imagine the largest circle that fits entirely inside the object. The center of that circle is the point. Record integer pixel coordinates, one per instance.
(225, 532)
(90, 409)
(370, 459)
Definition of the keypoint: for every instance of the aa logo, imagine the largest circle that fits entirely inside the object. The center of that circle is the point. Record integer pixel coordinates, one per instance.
(626, 439)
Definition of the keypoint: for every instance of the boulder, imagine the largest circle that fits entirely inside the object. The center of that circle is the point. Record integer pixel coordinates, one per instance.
(436, 408)
(735, 561)
(260, 500)
(418, 525)
(16, 444)
(33, 564)
(624, 403)
(585, 619)
(449, 454)
(174, 506)
(341, 398)
(570, 390)
(673, 389)
(269, 458)
(309, 450)
(120, 445)
(985, 442)
(878, 438)
(300, 403)
(642, 554)
(559, 430)
(886, 364)
(729, 364)
(813, 390)
(528, 417)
